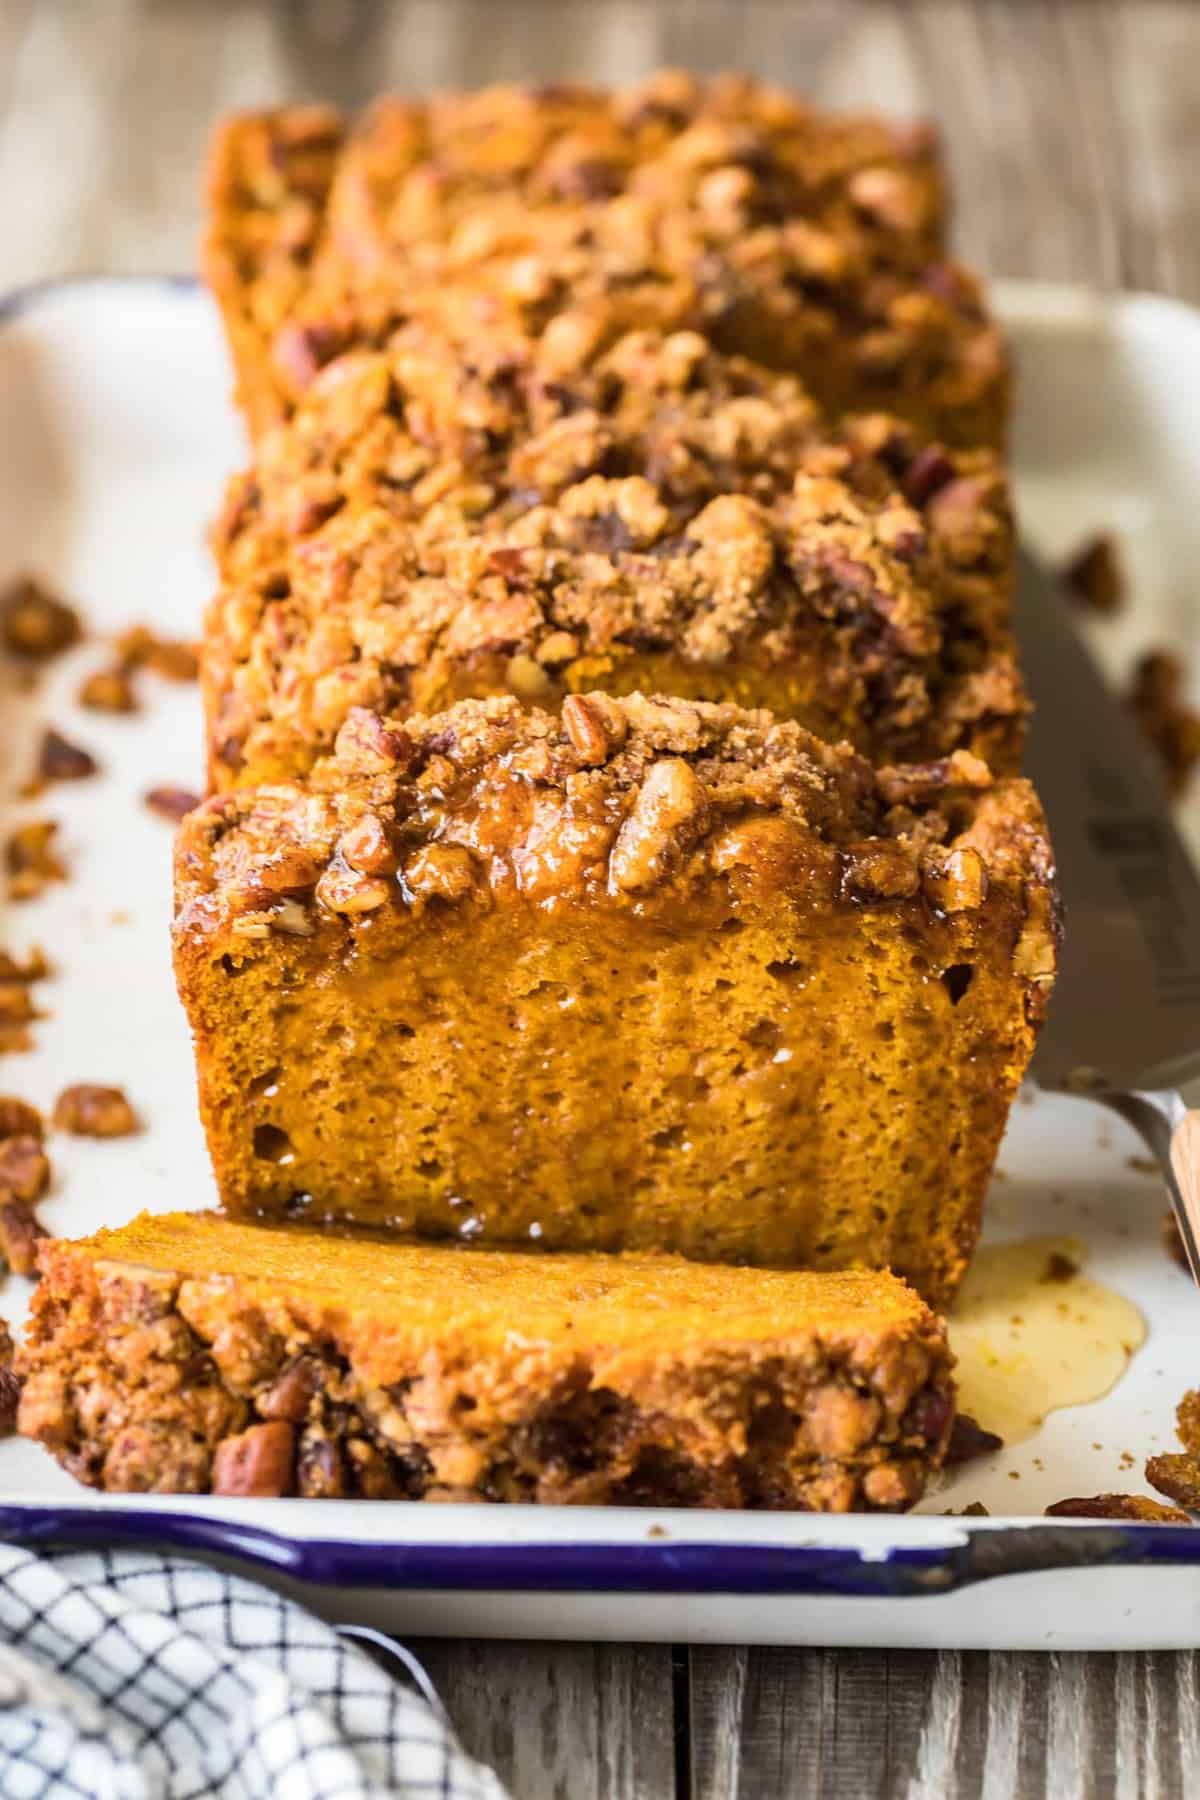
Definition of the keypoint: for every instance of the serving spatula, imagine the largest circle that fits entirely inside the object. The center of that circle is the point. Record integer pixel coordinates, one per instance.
(1124, 1023)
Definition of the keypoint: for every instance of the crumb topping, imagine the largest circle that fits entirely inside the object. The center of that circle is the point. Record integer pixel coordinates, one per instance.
(811, 239)
(425, 529)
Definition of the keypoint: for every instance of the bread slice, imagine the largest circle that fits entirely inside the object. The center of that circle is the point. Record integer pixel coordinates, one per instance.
(810, 240)
(642, 974)
(465, 516)
(191, 1353)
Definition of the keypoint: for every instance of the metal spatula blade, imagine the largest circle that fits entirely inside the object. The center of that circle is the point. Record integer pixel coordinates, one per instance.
(1124, 1023)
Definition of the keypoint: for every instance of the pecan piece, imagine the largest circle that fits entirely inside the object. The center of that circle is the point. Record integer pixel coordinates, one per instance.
(1095, 574)
(24, 1169)
(141, 648)
(369, 747)
(969, 1439)
(1138, 1507)
(367, 847)
(440, 872)
(1187, 1418)
(172, 803)
(257, 1462)
(36, 624)
(108, 690)
(879, 869)
(1178, 1477)
(345, 890)
(61, 760)
(954, 881)
(1159, 703)
(19, 1120)
(291, 1393)
(10, 1391)
(88, 1110)
(588, 729)
(31, 862)
(20, 1235)
(670, 811)
(320, 1467)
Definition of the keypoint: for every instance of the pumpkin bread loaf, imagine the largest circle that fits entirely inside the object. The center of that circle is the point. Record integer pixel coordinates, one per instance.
(458, 519)
(644, 974)
(797, 237)
(192, 1354)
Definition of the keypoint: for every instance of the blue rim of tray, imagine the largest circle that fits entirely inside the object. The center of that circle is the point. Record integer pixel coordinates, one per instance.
(648, 1567)
(980, 1553)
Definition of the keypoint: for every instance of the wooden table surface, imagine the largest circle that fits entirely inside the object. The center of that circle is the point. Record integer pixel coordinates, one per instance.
(1074, 135)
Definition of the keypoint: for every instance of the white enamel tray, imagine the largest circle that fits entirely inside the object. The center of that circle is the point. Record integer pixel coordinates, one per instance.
(115, 434)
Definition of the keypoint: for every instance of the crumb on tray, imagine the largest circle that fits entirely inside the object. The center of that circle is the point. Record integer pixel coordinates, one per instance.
(1158, 700)
(1137, 1507)
(108, 690)
(35, 623)
(89, 1110)
(61, 760)
(30, 860)
(172, 802)
(1095, 574)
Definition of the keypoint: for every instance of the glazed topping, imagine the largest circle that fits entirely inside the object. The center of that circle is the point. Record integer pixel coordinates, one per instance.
(622, 797)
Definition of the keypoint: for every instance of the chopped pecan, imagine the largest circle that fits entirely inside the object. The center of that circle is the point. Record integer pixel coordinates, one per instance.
(34, 968)
(20, 1235)
(1138, 1507)
(35, 623)
(369, 747)
(320, 1467)
(671, 810)
(61, 760)
(879, 869)
(257, 1462)
(367, 847)
(87, 1110)
(172, 802)
(108, 690)
(291, 1393)
(904, 783)
(1095, 574)
(1178, 1477)
(141, 648)
(345, 890)
(24, 1168)
(954, 881)
(969, 1439)
(18, 1119)
(929, 470)
(440, 872)
(1187, 1420)
(587, 728)
(1169, 723)
(10, 1393)
(30, 860)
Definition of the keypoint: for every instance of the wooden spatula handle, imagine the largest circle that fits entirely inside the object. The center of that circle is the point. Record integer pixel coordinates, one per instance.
(1185, 1165)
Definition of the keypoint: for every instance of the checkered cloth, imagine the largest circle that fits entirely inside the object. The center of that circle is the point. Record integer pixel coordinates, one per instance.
(147, 1677)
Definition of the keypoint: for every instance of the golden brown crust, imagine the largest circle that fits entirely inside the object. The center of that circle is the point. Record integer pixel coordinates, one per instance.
(191, 1353)
(456, 518)
(798, 237)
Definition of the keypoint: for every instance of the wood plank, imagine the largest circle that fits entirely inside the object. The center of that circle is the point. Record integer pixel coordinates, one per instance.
(562, 1721)
(848, 1725)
